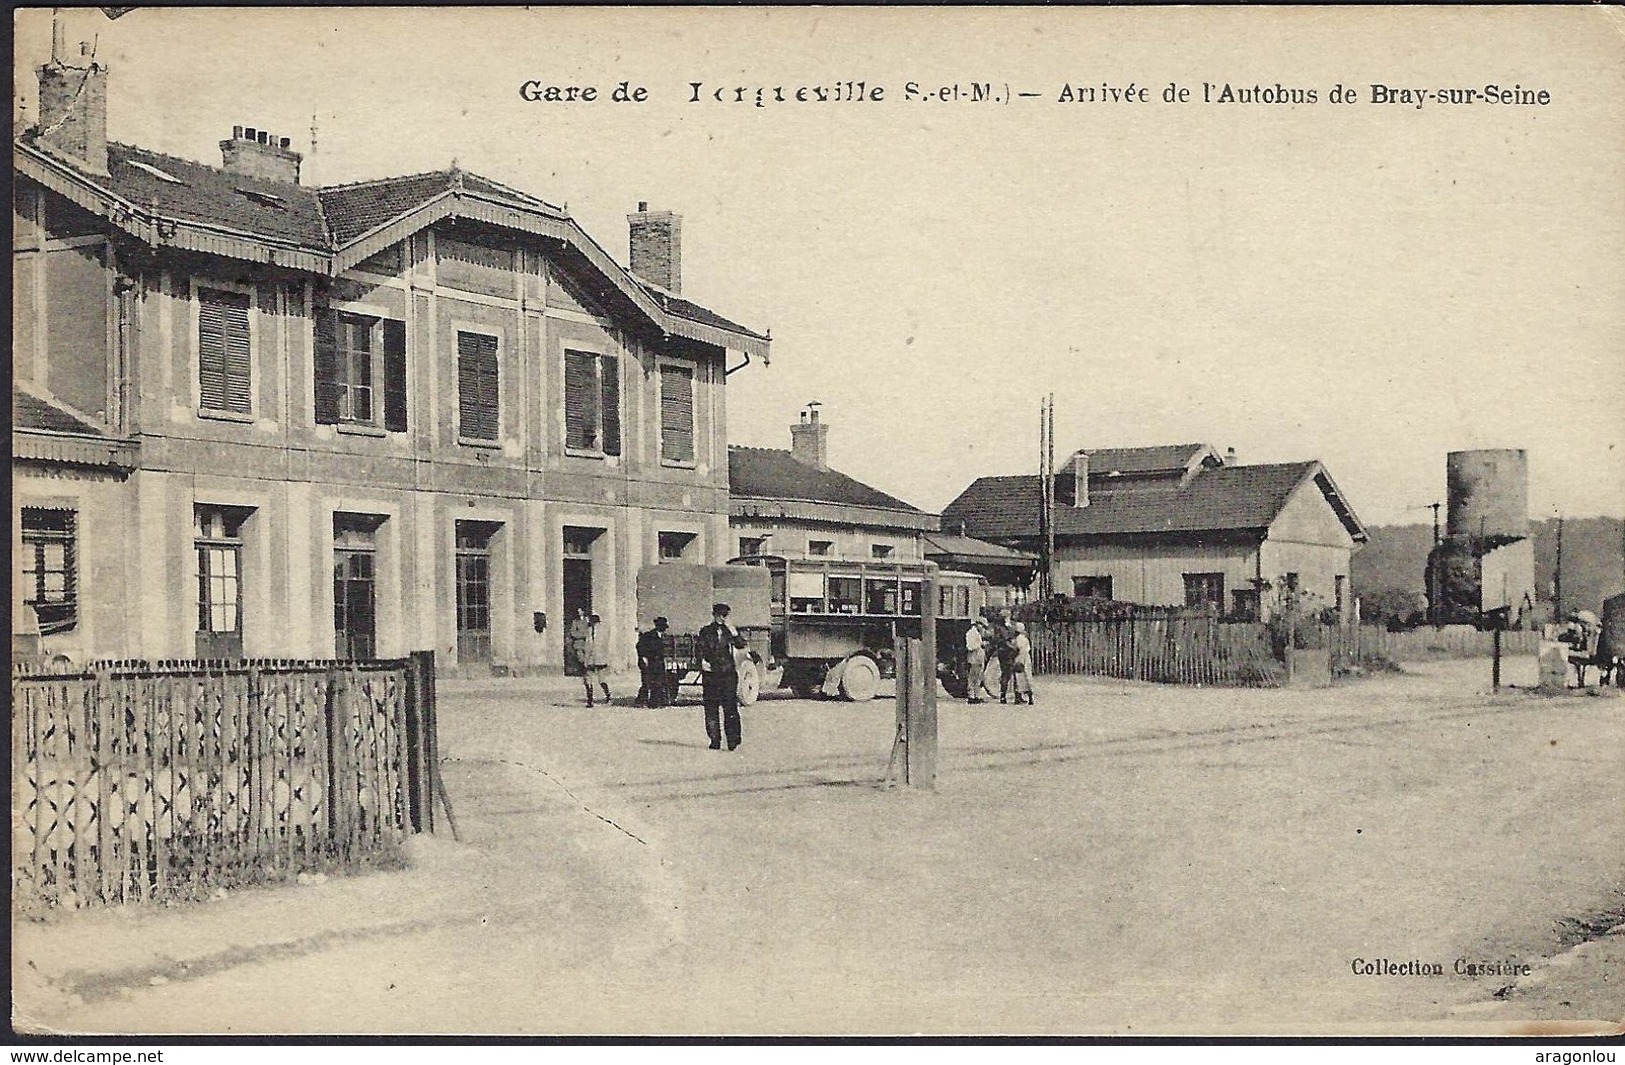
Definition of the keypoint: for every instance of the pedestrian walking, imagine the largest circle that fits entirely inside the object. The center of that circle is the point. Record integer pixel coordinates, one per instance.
(1022, 664)
(976, 662)
(652, 665)
(595, 659)
(719, 677)
(576, 643)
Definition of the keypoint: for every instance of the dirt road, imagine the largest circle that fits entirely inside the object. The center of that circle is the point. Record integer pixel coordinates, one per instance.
(1120, 858)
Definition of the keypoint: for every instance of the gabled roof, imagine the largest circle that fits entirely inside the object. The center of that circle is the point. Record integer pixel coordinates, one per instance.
(165, 201)
(770, 473)
(1164, 458)
(1222, 499)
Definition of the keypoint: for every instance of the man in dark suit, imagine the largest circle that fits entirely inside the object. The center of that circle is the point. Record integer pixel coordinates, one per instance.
(719, 675)
(652, 665)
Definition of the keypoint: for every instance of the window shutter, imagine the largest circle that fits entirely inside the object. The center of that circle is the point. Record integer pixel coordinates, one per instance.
(477, 386)
(224, 366)
(677, 414)
(239, 372)
(580, 400)
(327, 367)
(211, 369)
(394, 376)
(612, 404)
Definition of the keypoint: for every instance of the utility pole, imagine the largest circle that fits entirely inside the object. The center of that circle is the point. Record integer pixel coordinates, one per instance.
(1557, 581)
(1046, 497)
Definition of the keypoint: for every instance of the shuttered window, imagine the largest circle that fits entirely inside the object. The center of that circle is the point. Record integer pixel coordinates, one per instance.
(354, 353)
(477, 406)
(224, 358)
(592, 402)
(676, 413)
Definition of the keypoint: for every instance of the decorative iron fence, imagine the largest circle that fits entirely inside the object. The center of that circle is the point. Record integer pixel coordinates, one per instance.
(145, 781)
(1172, 650)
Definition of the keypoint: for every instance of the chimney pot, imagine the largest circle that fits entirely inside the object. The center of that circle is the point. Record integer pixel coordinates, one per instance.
(1230, 456)
(237, 132)
(643, 206)
(284, 142)
(250, 133)
(809, 440)
(1080, 479)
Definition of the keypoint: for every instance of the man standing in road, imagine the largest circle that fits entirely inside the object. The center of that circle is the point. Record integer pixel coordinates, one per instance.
(719, 675)
(652, 665)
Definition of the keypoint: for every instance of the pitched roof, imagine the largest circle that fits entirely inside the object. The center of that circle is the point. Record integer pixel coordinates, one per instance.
(163, 199)
(361, 207)
(969, 548)
(1131, 460)
(770, 473)
(1226, 498)
(29, 411)
(210, 195)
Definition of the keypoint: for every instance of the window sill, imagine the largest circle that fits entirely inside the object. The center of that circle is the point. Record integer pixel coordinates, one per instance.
(581, 453)
(225, 416)
(484, 445)
(359, 429)
(677, 464)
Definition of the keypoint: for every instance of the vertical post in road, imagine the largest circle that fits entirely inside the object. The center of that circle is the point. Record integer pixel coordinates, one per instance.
(1495, 661)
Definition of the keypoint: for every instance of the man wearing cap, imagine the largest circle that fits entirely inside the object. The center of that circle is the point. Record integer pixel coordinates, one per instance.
(719, 676)
(652, 665)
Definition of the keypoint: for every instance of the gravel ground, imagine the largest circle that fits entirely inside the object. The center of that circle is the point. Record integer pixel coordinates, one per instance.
(1121, 858)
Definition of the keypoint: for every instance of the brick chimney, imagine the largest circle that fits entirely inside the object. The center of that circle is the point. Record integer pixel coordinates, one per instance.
(809, 439)
(1080, 478)
(1229, 456)
(657, 247)
(73, 110)
(257, 154)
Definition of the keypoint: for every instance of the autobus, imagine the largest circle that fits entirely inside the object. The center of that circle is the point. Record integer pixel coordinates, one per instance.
(832, 622)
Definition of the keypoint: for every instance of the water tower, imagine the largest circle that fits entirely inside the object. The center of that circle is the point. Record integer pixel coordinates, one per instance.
(1483, 572)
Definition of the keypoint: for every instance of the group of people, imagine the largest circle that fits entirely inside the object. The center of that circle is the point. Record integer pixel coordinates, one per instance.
(719, 647)
(1001, 643)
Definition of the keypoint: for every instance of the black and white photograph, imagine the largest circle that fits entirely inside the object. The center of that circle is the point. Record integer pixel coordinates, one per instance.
(822, 522)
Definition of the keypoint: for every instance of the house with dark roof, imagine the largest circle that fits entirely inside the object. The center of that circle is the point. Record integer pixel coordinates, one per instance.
(1179, 525)
(792, 503)
(258, 418)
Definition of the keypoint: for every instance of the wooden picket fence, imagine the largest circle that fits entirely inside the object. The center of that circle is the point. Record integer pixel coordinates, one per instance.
(1367, 642)
(1171, 650)
(137, 781)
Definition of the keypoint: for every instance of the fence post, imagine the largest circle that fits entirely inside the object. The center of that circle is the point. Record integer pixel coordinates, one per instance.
(1495, 660)
(420, 746)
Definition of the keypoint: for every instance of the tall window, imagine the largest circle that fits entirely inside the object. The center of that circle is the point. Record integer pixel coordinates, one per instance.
(224, 359)
(360, 370)
(219, 543)
(477, 395)
(592, 402)
(50, 569)
(676, 413)
(1204, 590)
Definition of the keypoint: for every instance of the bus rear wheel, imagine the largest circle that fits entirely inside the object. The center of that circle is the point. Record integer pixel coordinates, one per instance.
(860, 680)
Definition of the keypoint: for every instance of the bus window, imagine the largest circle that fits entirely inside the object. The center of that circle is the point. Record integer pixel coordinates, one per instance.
(880, 595)
(909, 593)
(776, 583)
(845, 595)
(945, 601)
(806, 593)
(962, 601)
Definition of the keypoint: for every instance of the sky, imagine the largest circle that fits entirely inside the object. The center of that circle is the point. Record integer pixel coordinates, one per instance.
(1370, 285)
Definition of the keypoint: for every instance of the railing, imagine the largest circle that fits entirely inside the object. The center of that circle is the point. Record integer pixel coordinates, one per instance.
(1371, 643)
(1172, 650)
(142, 781)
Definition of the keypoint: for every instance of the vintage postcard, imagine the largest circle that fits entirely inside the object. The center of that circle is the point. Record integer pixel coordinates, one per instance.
(818, 521)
